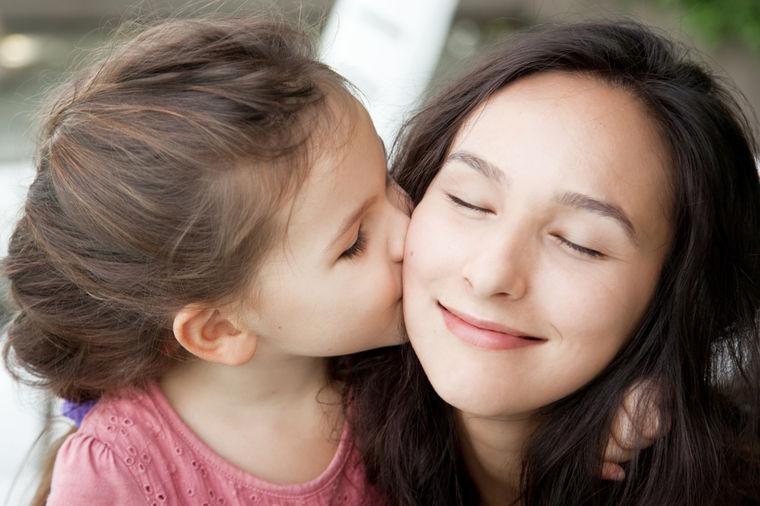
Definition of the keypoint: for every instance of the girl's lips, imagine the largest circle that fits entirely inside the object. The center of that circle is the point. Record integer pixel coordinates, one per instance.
(472, 333)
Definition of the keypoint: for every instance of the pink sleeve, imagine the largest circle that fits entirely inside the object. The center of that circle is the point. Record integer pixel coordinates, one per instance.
(87, 472)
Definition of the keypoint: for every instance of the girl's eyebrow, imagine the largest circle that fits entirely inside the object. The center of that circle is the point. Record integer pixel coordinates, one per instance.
(351, 219)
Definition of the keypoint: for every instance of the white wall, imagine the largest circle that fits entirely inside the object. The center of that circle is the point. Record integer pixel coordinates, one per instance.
(388, 50)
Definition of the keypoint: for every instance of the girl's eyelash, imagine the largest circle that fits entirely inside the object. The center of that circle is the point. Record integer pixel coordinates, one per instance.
(580, 249)
(357, 248)
(456, 200)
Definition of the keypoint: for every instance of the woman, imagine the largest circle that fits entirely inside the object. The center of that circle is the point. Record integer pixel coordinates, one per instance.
(587, 218)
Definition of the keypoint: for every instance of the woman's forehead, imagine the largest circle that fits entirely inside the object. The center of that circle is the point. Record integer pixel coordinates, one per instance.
(574, 133)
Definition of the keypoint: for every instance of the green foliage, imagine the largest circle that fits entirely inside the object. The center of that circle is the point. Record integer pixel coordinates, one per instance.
(720, 20)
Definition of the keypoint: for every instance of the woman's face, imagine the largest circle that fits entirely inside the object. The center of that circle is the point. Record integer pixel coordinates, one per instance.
(537, 247)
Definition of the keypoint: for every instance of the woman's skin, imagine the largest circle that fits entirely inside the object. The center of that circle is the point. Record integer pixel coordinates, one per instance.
(532, 257)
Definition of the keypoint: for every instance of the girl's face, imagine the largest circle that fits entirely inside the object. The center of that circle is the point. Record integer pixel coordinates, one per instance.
(333, 285)
(537, 247)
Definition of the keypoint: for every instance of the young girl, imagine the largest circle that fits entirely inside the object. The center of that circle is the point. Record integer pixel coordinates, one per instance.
(587, 217)
(211, 218)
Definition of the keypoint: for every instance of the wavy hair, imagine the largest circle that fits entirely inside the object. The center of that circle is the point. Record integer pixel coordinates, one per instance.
(698, 341)
(159, 172)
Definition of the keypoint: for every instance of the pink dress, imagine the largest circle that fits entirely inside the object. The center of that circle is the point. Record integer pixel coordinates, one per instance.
(133, 449)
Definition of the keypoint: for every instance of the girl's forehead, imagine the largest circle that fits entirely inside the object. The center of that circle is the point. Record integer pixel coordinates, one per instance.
(339, 124)
(349, 168)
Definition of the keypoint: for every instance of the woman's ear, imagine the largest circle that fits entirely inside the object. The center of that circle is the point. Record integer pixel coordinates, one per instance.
(209, 335)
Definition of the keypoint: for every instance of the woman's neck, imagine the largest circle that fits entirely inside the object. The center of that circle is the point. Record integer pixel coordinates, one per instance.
(493, 450)
(257, 415)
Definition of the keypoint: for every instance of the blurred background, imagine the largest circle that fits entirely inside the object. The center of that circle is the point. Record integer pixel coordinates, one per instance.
(392, 50)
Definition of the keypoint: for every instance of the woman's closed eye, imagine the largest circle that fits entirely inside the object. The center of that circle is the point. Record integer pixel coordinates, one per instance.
(578, 248)
(462, 203)
(358, 247)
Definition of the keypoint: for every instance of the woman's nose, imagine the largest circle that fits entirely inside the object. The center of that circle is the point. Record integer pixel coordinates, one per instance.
(499, 268)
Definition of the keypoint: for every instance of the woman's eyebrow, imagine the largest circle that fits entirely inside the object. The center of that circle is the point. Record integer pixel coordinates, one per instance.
(485, 167)
(600, 207)
(569, 199)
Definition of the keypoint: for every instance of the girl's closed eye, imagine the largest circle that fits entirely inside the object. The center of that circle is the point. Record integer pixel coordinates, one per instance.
(358, 247)
(462, 203)
(578, 248)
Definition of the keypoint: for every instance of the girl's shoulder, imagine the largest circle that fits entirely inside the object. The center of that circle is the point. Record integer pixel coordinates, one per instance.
(111, 455)
(132, 443)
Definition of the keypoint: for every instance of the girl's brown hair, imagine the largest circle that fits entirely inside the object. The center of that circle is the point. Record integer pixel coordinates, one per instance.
(159, 175)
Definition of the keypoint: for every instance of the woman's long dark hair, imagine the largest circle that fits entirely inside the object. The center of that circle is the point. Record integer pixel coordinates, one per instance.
(698, 340)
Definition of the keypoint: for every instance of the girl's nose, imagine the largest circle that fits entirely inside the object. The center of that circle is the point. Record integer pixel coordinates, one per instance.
(400, 210)
(397, 235)
(399, 197)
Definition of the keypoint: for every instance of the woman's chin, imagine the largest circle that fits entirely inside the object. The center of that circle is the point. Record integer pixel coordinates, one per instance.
(478, 395)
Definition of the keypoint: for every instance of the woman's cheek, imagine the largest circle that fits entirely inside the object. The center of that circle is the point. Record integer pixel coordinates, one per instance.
(434, 239)
(590, 307)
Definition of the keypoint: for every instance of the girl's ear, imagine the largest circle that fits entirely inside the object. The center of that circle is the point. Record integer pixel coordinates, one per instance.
(209, 335)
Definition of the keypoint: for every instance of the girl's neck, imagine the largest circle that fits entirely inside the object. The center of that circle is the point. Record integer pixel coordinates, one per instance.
(493, 449)
(264, 383)
(258, 414)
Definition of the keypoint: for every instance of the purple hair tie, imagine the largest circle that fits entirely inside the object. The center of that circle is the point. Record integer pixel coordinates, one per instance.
(76, 411)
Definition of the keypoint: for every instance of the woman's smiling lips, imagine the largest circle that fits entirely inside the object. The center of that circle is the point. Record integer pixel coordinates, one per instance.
(484, 334)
